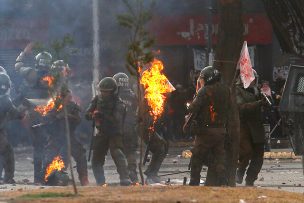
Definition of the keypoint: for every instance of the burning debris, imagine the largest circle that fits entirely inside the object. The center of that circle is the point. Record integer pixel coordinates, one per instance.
(186, 154)
(57, 164)
(54, 174)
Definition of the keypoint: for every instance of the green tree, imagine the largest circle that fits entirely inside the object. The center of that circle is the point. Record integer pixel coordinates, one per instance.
(57, 47)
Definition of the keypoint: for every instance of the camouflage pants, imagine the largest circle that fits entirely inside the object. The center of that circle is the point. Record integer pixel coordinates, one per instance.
(130, 148)
(101, 145)
(38, 137)
(7, 154)
(250, 154)
(212, 140)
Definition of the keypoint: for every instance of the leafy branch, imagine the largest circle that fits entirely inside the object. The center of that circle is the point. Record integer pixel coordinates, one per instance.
(57, 47)
(139, 49)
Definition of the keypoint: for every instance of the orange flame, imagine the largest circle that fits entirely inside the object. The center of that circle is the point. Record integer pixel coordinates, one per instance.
(213, 114)
(49, 79)
(136, 184)
(156, 85)
(44, 110)
(57, 164)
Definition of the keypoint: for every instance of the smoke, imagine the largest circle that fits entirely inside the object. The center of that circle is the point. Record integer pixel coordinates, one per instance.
(45, 21)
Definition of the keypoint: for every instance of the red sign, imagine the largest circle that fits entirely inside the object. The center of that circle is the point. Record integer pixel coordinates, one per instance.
(18, 33)
(192, 30)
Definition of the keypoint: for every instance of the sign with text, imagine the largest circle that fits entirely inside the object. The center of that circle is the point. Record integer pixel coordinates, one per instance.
(199, 58)
(191, 30)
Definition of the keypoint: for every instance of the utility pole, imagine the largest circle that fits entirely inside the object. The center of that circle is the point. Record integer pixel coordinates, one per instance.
(96, 43)
(209, 33)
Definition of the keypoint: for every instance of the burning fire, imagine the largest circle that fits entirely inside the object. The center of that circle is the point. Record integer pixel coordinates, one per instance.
(213, 114)
(49, 79)
(57, 164)
(44, 110)
(156, 85)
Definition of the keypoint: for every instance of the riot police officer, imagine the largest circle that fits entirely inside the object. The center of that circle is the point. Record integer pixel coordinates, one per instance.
(7, 112)
(108, 112)
(210, 110)
(130, 136)
(252, 135)
(59, 72)
(34, 87)
(155, 143)
(57, 142)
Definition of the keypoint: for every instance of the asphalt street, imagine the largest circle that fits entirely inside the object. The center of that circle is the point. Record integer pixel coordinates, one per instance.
(281, 174)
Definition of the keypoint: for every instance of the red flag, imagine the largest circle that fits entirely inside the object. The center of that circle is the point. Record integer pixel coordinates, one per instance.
(244, 64)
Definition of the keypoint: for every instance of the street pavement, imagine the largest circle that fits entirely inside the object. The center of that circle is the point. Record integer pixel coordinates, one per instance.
(281, 174)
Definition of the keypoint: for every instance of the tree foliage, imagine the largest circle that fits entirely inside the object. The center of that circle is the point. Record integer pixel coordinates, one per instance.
(140, 43)
(57, 47)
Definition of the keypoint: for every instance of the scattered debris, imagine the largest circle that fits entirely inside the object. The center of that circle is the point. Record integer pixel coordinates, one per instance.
(242, 201)
(185, 181)
(262, 197)
(26, 181)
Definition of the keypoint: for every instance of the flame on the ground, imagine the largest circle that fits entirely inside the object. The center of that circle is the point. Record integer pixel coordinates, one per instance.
(136, 184)
(45, 109)
(186, 154)
(156, 85)
(57, 164)
(49, 79)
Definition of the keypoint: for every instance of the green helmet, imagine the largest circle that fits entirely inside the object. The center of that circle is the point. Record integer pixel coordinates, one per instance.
(107, 84)
(43, 59)
(5, 83)
(210, 75)
(2, 70)
(121, 79)
(59, 66)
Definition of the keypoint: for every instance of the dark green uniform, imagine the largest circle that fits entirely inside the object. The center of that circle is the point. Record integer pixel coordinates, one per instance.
(211, 107)
(252, 135)
(130, 135)
(7, 112)
(109, 115)
(57, 142)
(156, 144)
(33, 87)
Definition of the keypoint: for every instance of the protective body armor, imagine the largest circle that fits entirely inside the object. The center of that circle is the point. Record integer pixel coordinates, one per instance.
(250, 112)
(7, 111)
(211, 106)
(130, 101)
(111, 115)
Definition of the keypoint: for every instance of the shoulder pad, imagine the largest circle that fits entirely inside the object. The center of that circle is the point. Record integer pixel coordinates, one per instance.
(18, 66)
